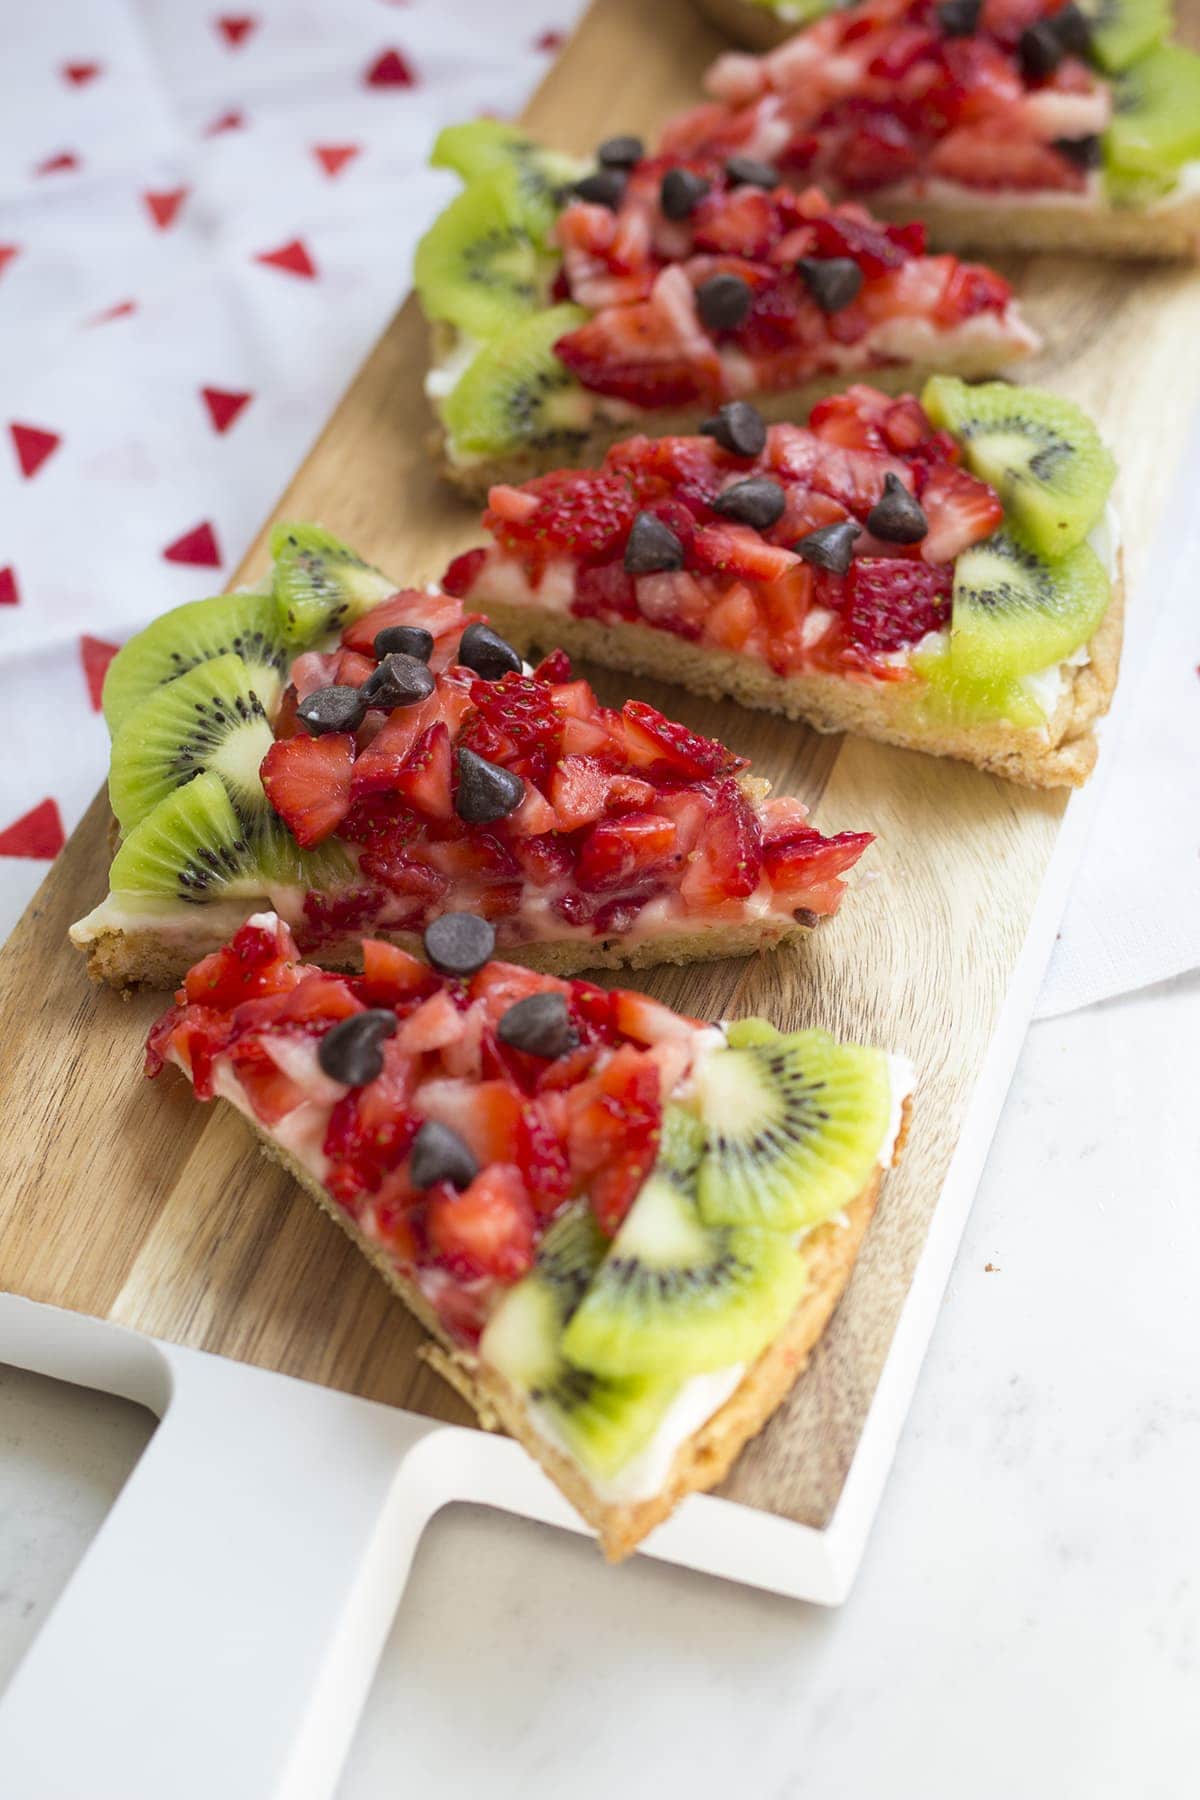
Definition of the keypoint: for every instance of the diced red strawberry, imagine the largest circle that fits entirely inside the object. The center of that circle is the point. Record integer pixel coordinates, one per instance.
(462, 574)
(889, 603)
(579, 791)
(534, 816)
(728, 861)
(971, 289)
(605, 592)
(436, 1023)
(555, 668)
(512, 722)
(307, 781)
(649, 1021)
(424, 780)
(802, 858)
(980, 156)
(320, 999)
(743, 221)
(574, 698)
(961, 511)
(542, 1159)
(378, 768)
(485, 1114)
(654, 353)
(669, 750)
(581, 513)
(740, 550)
(500, 985)
(391, 977)
(619, 853)
(270, 1092)
(371, 1128)
(442, 614)
(312, 670)
(613, 1133)
(871, 246)
(488, 1229)
(406, 872)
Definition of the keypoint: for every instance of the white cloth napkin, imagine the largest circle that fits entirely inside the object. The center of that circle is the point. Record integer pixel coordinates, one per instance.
(205, 220)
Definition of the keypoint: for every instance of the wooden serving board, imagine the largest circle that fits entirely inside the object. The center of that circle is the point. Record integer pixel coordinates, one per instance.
(128, 1201)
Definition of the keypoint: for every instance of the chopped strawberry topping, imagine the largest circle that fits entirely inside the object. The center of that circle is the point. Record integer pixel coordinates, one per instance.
(307, 781)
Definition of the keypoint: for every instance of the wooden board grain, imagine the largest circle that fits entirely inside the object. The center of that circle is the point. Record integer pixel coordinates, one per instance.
(128, 1201)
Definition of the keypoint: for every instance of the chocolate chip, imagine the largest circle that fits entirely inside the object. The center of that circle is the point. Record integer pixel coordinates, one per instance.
(723, 301)
(1039, 51)
(605, 188)
(458, 943)
(439, 1154)
(747, 171)
(738, 427)
(804, 915)
(833, 281)
(757, 501)
(540, 1025)
(681, 193)
(1084, 152)
(398, 681)
(620, 152)
(959, 18)
(1073, 29)
(332, 709)
(830, 546)
(485, 651)
(651, 546)
(896, 516)
(404, 640)
(352, 1051)
(485, 791)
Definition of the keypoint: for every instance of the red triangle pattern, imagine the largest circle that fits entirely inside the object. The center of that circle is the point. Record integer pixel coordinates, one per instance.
(197, 548)
(292, 258)
(223, 406)
(233, 120)
(7, 252)
(235, 28)
(9, 595)
(95, 655)
(164, 206)
(38, 833)
(334, 157)
(33, 446)
(55, 165)
(550, 41)
(391, 69)
(121, 310)
(80, 73)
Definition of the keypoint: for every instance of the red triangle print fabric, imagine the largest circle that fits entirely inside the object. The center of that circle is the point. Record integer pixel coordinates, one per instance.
(95, 655)
(33, 446)
(223, 406)
(334, 157)
(37, 833)
(236, 28)
(164, 207)
(292, 258)
(80, 73)
(197, 548)
(9, 592)
(391, 69)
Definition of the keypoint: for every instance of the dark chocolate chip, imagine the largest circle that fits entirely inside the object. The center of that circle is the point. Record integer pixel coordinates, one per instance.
(352, 1050)
(651, 546)
(1073, 29)
(1039, 51)
(723, 301)
(620, 152)
(605, 188)
(398, 681)
(830, 546)
(738, 427)
(458, 943)
(404, 640)
(1084, 152)
(804, 915)
(439, 1154)
(332, 709)
(833, 281)
(485, 791)
(681, 193)
(959, 18)
(485, 651)
(757, 501)
(747, 171)
(896, 516)
(540, 1025)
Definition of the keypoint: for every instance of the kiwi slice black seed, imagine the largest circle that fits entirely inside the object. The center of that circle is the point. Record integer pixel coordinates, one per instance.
(1016, 612)
(516, 393)
(540, 179)
(319, 583)
(192, 848)
(479, 266)
(211, 718)
(675, 1297)
(1155, 127)
(793, 1128)
(246, 624)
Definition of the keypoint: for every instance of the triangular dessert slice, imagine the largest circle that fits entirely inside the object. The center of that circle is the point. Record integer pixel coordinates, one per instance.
(940, 575)
(625, 1229)
(657, 288)
(1003, 124)
(364, 759)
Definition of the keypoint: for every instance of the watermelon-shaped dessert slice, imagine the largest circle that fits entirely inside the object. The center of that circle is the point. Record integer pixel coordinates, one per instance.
(657, 288)
(624, 1228)
(940, 575)
(365, 759)
(1003, 124)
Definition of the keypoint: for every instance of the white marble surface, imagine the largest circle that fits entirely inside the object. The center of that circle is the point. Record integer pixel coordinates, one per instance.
(1027, 1619)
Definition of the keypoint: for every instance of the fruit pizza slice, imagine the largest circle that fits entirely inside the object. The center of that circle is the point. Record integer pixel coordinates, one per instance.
(941, 574)
(364, 759)
(625, 1229)
(657, 288)
(1028, 124)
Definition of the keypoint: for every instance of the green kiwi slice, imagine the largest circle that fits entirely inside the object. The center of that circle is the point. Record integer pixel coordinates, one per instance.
(479, 265)
(515, 394)
(320, 584)
(1123, 30)
(192, 847)
(951, 693)
(538, 179)
(1155, 127)
(675, 1296)
(603, 1421)
(214, 717)
(1015, 612)
(247, 624)
(793, 1129)
(1041, 453)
